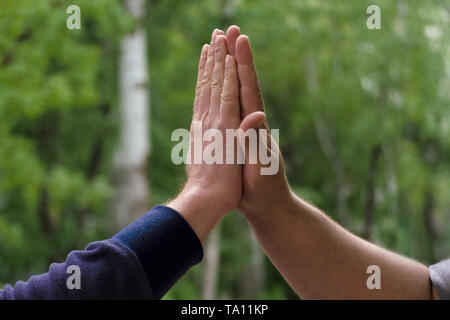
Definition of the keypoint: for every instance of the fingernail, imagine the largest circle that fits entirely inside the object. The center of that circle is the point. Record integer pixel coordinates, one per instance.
(204, 51)
(213, 36)
(218, 41)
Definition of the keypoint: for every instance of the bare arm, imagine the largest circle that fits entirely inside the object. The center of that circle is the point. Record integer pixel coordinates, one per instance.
(322, 260)
(316, 256)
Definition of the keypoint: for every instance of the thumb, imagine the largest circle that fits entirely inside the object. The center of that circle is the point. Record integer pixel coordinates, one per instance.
(253, 121)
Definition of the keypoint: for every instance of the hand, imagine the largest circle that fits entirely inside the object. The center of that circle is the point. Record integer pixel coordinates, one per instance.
(309, 249)
(261, 193)
(212, 190)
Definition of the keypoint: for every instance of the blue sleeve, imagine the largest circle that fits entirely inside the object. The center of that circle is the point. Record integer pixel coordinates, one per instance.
(140, 262)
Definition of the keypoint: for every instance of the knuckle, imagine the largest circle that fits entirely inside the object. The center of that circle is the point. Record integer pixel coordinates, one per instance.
(205, 81)
(228, 96)
(198, 89)
(216, 83)
(219, 58)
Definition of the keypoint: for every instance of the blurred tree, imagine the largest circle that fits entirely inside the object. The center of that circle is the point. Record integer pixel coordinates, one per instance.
(131, 199)
(363, 117)
(56, 93)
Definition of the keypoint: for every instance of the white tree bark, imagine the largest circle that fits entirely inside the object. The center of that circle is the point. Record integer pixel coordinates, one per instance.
(131, 158)
(211, 265)
(253, 279)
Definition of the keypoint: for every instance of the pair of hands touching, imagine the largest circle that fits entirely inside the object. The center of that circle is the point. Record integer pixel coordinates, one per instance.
(228, 96)
(316, 256)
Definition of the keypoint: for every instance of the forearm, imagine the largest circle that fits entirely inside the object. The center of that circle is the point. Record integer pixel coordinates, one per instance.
(321, 260)
(140, 262)
(104, 270)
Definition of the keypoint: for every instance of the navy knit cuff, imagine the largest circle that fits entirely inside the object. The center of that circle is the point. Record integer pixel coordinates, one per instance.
(165, 244)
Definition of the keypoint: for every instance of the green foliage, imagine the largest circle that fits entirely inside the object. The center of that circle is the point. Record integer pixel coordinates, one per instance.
(57, 87)
(336, 90)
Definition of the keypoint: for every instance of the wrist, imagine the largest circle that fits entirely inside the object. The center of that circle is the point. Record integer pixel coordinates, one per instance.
(285, 204)
(198, 209)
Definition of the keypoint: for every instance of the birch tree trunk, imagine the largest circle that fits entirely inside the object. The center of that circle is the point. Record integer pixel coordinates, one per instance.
(211, 266)
(131, 158)
(253, 280)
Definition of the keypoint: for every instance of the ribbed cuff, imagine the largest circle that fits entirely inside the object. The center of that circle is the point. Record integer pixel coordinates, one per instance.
(165, 244)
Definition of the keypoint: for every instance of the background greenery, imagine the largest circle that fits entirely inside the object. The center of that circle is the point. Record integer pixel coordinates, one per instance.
(363, 115)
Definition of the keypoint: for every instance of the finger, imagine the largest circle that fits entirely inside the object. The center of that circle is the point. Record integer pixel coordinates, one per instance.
(205, 93)
(233, 32)
(250, 93)
(254, 120)
(220, 53)
(229, 99)
(267, 149)
(201, 69)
